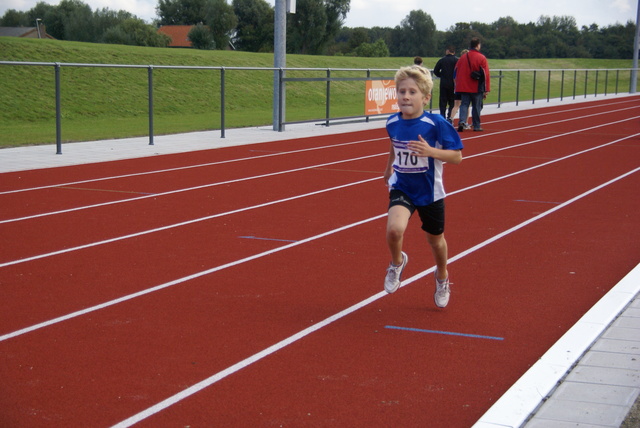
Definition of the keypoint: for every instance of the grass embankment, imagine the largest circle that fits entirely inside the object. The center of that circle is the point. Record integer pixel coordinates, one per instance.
(99, 103)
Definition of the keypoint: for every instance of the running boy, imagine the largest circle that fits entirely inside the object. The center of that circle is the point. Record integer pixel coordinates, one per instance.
(420, 143)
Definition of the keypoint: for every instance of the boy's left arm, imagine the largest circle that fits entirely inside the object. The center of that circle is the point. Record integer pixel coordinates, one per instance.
(422, 148)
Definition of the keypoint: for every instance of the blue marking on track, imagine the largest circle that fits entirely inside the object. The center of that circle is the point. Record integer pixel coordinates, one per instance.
(266, 239)
(477, 336)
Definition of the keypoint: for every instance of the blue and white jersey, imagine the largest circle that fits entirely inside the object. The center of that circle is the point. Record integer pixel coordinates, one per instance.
(420, 178)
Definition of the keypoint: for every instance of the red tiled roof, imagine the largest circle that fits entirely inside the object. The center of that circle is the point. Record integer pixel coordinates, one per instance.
(178, 34)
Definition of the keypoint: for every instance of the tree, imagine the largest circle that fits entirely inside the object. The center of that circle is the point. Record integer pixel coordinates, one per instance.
(78, 21)
(181, 12)
(416, 35)
(74, 20)
(135, 32)
(358, 37)
(222, 21)
(315, 24)
(201, 37)
(336, 11)
(378, 49)
(306, 29)
(460, 34)
(105, 18)
(254, 32)
(61, 20)
(13, 18)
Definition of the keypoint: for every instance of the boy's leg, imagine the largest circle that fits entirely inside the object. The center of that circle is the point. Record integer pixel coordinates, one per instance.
(397, 222)
(433, 224)
(439, 248)
(396, 225)
(440, 254)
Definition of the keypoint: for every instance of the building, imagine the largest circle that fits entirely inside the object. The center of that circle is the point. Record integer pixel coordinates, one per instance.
(27, 32)
(178, 34)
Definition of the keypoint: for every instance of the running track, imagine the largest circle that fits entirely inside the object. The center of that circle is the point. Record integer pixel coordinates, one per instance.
(243, 286)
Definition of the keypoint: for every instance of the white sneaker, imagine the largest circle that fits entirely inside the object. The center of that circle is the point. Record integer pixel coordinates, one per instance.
(392, 280)
(443, 291)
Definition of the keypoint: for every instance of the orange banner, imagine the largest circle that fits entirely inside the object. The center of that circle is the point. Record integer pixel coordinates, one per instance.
(380, 97)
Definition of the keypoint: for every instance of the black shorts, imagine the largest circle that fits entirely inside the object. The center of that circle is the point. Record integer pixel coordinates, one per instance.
(432, 215)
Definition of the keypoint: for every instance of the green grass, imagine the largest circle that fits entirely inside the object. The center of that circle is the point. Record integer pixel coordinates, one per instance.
(99, 103)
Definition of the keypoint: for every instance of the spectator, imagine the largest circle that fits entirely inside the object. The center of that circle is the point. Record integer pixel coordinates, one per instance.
(444, 70)
(417, 61)
(458, 96)
(473, 83)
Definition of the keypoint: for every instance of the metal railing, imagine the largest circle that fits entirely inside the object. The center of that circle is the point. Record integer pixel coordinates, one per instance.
(507, 86)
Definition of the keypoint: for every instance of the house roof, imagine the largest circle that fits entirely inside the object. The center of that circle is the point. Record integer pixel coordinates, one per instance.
(16, 31)
(178, 34)
(31, 32)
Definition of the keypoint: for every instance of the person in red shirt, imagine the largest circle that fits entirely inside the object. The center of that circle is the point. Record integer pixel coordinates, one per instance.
(473, 83)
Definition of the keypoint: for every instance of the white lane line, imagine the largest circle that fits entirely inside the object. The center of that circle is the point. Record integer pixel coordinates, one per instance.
(184, 223)
(160, 171)
(294, 338)
(301, 169)
(629, 100)
(175, 225)
(188, 189)
(182, 280)
(270, 154)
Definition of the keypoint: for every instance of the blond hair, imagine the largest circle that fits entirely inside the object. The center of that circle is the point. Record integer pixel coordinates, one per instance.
(419, 74)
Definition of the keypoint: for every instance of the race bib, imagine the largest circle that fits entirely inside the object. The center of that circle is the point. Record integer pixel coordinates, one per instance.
(407, 162)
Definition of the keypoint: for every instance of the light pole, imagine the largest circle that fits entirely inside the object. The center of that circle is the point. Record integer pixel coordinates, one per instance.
(279, 57)
(634, 73)
(38, 20)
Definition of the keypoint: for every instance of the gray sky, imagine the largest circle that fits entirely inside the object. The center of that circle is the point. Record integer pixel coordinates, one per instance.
(389, 13)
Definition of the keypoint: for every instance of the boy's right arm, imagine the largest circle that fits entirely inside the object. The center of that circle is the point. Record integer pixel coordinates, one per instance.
(389, 170)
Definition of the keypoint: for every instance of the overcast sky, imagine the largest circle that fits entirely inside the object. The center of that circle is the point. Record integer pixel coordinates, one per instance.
(445, 13)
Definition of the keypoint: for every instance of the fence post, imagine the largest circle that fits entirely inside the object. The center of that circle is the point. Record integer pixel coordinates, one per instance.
(548, 85)
(500, 77)
(222, 101)
(280, 100)
(58, 112)
(586, 80)
(533, 101)
(366, 116)
(518, 87)
(150, 73)
(328, 102)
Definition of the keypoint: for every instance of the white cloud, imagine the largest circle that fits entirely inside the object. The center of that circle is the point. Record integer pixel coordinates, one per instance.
(145, 9)
(623, 6)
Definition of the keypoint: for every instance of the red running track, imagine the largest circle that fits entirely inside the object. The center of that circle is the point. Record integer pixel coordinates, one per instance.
(243, 286)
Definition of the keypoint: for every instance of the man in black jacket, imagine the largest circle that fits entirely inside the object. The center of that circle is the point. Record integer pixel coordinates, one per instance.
(444, 70)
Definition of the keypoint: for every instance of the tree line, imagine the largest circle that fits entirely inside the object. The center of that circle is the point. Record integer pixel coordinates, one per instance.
(317, 29)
